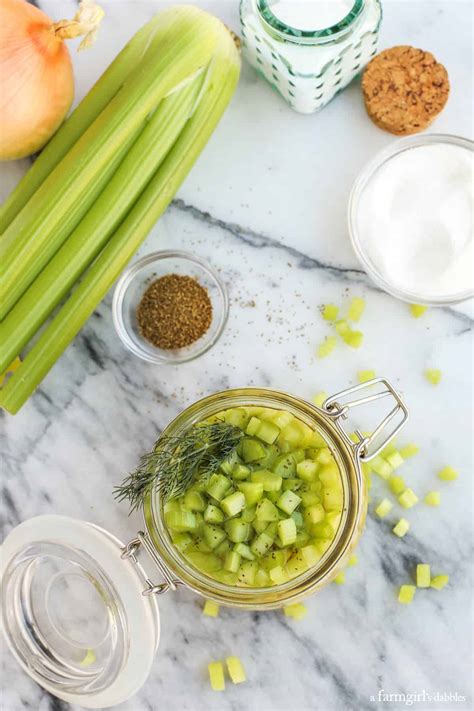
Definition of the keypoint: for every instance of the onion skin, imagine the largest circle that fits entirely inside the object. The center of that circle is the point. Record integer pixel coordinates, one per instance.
(36, 77)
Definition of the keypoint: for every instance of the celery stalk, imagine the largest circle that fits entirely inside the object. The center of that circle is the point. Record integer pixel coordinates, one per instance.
(86, 241)
(224, 74)
(81, 118)
(184, 46)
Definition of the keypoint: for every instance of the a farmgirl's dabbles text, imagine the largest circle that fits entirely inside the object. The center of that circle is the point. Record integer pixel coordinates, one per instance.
(271, 511)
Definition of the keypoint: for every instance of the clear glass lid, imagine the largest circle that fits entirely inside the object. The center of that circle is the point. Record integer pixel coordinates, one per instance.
(72, 611)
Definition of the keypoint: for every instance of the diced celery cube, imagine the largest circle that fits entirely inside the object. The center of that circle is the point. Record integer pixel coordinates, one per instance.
(262, 544)
(253, 426)
(363, 376)
(247, 572)
(270, 480)
(407, 499)
(229, 463)
(296, 565)
(262, 579)
(207, 562)
(340, 578)
(216, 676)
(297, 611)
(311, 555)
(297, 517)
(213, 535)
(237, 416)
(212, 514)
(433, 498)
(417, 310)
(319, 398)
(333, 498)
(253, 491)
(354, 339)
(285, 465)
(433, 375)
(395, 459)
(293, 484)
(88, 659)
(218, 485)
(323, 529)
(423, 575)
(233, 504)
(268, 432)
(223, 576)
(342, 327)
(314, 514)
(194, 501)
(211, 609)
(237, 530)
(240, 471)
(248, 514)
(381, 467)
(181, 520)
(327, 347)
(409, 450)
(302, 538)
(288, 501)
(448, 474)
(309, 498)
(182, 541)
(278, 575)
(353, 560)
(401, 528)
(384, 508)
(252, 450)
(307, 469)
(439, 581)
(287, 531)
(329, 475)
(266, 511)
(232, 562)
(236, 670)
(259, 526)
(329, 312)
(406, 594)
(243, 550)
(356, 308)
(293, 434)
(282, 418)
(223, 548)
(324, 456)
(396, 484)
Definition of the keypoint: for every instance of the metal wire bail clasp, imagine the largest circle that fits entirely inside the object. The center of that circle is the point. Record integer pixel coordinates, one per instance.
(130, 551)
(338, 409)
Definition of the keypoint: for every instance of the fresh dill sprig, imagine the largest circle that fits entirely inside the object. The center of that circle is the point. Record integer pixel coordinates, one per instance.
(175, 462)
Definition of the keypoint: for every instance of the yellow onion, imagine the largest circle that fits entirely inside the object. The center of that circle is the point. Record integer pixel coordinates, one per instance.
(36, 75)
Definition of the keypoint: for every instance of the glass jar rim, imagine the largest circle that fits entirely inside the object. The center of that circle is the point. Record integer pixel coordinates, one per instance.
(294, 34)
(352, 520)
(361, 182)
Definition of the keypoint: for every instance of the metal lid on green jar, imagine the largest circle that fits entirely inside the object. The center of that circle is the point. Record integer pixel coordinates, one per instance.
(73, 613)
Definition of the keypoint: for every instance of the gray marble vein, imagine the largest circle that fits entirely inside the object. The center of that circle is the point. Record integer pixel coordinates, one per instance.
(266, 206)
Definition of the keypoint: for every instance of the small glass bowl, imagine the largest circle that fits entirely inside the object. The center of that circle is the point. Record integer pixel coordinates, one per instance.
(364, 178)
(133, 284)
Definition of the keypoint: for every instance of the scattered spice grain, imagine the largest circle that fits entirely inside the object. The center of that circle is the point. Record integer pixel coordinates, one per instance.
(174, 312)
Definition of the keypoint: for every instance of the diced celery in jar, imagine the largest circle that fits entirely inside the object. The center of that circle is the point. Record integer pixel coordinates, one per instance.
(270, 511)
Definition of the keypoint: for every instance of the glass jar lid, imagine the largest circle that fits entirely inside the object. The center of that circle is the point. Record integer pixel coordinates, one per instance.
(73, 613)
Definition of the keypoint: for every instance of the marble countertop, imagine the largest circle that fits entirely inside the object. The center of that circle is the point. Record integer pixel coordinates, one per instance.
(266, 205)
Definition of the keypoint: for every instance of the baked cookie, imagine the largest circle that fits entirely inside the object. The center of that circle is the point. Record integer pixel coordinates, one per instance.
(404, 89)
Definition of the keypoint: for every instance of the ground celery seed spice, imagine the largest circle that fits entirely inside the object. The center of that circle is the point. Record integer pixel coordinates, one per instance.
(174, 312)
